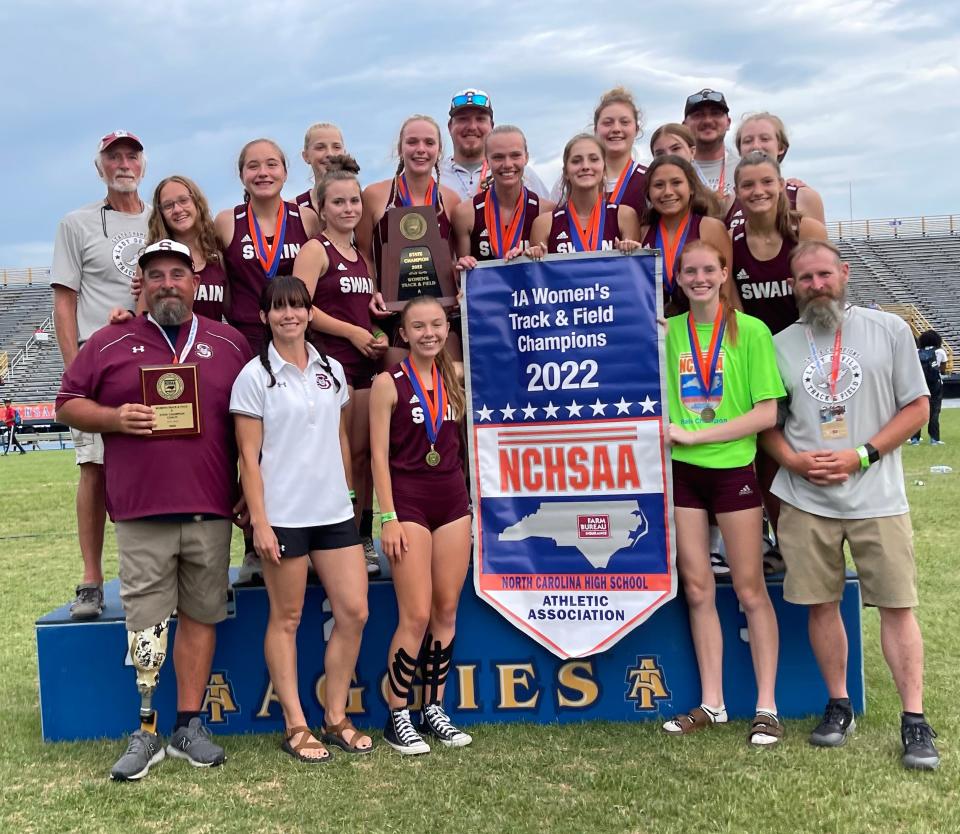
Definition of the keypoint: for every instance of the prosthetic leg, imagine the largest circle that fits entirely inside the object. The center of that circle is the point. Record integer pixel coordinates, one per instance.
(148, 650)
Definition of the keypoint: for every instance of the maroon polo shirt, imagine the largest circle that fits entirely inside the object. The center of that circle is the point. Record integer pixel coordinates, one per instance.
(147, 476)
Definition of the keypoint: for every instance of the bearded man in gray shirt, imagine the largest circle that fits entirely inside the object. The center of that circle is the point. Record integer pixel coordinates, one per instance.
(855, 394)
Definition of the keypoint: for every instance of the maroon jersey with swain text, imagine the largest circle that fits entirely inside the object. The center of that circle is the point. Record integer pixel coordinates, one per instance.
(480, 246)
(763, 285)
(560, 240)
(408, 434)
(344, 291)
(245, 275)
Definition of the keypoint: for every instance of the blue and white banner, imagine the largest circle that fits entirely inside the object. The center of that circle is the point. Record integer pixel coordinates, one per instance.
(566, 425)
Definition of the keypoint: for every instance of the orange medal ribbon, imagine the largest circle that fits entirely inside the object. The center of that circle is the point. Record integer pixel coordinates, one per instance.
(671, 247)
(499, 232)
(268, 253)
(594, 229)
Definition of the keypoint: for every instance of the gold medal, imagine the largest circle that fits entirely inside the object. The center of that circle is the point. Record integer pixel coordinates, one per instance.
(708, 415)
(433, 457)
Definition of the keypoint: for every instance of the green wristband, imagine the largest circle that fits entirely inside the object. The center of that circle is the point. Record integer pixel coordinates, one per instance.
(377, 334)
(385, 517)
(864, 457)
(353, 495)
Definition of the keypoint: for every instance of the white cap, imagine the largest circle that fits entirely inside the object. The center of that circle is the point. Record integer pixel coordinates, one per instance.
(165, 247)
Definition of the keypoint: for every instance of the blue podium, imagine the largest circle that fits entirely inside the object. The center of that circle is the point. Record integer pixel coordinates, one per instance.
(87, 686)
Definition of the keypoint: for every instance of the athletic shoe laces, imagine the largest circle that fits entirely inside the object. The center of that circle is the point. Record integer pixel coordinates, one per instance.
(440, 721)
(139, 742)
(88, 595)
(836, 714)
(404, 728)
(921, 734)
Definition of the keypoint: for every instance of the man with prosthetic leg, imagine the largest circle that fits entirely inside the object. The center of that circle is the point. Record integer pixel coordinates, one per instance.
(157, 387)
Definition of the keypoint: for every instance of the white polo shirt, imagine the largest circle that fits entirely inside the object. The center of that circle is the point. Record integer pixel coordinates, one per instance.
(304, 484)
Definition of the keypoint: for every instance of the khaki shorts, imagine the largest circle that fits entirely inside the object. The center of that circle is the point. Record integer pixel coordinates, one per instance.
(169, 565)
(882, 550)
(88, 446)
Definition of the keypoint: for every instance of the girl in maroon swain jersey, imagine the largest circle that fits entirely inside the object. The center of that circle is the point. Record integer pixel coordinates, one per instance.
(181, 213)
(678, 214)
(762, 245)
(761, 266)
(339, 281)
(321, 141)
(766, 132)
(584, 221)
(415, 410)
(419, 147)
(617, 124)
(261, 237)
(507, 204)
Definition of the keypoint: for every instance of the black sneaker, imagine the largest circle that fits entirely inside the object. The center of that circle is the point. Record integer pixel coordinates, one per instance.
(89, 602)
(919, 752)
(838, 722)
(435, 722)
(400, 734)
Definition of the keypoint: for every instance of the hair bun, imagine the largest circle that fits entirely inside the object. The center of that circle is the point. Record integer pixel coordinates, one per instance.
(342, 162)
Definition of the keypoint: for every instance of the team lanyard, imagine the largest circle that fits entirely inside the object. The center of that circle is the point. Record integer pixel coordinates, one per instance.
(834, 377)
(594, 230)
(616, 196)
(671, 247)
(406, 198)
(191, 337)
(268, 254)
(435, 403)
(496, 229)
(706, 366)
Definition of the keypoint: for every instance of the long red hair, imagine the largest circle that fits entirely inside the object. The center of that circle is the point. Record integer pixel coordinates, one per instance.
(726, 294)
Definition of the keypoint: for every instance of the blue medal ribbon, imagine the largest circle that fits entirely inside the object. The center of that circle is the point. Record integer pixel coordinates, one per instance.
(435, 406)
(706, 372)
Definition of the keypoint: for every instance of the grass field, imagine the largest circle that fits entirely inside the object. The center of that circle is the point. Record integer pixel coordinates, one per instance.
(575, 778)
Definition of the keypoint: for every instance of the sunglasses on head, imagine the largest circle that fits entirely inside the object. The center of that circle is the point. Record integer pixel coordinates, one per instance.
(478, 99)
(705, 96)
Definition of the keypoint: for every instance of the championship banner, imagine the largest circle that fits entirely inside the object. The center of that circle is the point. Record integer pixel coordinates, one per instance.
(573, 539)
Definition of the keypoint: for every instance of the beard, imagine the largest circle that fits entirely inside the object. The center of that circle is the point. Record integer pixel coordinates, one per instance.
(123, 185)
(170, 310)
(823, 313)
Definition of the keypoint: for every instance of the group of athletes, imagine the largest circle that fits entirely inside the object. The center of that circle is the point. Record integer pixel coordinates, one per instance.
(342, 398)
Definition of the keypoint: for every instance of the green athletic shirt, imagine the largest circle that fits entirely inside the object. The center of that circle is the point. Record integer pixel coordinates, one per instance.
(746, 374)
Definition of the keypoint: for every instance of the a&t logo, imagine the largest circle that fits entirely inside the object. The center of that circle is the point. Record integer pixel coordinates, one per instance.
(646, 684)
(219, 699)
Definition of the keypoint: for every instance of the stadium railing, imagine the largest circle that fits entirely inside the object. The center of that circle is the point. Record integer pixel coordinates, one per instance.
(894, 227)
(27, 276)
(918, 323)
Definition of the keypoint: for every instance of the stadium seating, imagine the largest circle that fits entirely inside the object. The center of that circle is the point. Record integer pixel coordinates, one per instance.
(35, 376)
(920, 271)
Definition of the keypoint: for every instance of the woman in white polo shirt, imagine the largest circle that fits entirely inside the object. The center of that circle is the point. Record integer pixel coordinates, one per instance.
(294, 468)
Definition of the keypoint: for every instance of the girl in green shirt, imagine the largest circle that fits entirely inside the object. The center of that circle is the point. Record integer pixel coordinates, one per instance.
(723, 388)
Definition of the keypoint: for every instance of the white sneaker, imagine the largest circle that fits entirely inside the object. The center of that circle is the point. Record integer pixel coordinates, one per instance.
(371, 557)
(251, 571)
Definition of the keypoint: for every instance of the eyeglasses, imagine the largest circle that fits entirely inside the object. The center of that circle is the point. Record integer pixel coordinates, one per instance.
(184, 201)
(705, 96)
(473, 97)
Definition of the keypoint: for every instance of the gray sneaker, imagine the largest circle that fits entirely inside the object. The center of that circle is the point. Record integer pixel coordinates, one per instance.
(194, 744)
(251, 571)
(89, 602)
(143, 750)
(371, 557)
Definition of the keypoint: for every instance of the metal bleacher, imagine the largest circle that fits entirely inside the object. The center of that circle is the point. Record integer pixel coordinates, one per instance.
(34, 364)
(909, 266)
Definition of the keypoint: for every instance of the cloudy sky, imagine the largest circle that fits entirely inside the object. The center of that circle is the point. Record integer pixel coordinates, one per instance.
(868, 88)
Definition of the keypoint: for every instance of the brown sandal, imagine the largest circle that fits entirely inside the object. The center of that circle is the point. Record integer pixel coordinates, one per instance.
(766, 724)
(333, 734)
(691, 722)
(295, 750)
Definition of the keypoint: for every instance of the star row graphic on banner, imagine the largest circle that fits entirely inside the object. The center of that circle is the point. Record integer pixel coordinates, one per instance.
(598, 408)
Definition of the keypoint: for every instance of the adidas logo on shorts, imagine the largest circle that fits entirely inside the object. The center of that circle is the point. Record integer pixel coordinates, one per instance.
(746, 490)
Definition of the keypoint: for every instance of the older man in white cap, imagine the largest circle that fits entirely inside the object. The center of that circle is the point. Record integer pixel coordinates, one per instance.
(94, 258)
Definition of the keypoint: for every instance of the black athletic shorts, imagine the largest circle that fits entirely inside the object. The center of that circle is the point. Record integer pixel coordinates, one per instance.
(299, 541)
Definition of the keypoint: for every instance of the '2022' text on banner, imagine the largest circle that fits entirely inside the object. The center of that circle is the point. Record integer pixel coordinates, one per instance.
(566, 424)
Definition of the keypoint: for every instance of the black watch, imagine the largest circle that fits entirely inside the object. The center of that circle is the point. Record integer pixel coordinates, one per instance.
(872, 454)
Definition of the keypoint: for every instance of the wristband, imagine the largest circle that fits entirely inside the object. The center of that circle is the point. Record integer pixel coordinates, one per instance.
(385, 517)
(378, 333)
(353, 495)
(864, 457)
